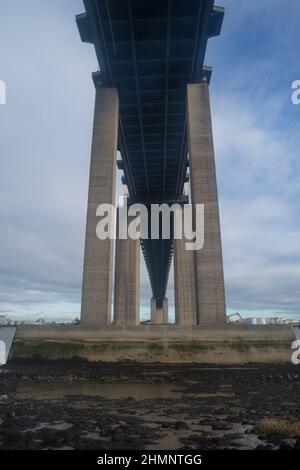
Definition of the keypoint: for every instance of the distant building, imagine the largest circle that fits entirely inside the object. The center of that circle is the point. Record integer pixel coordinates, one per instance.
(261, 320)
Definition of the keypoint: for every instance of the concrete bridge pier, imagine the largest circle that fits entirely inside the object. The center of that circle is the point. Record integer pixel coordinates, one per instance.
(209, 277)
(184, 282)
(184, 285)
(127, 280)
(98, 259)
(159, 315)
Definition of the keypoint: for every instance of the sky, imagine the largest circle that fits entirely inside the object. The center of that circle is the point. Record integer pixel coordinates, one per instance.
(45, 141)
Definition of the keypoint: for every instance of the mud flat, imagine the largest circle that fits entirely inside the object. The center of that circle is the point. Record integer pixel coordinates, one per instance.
(82, 405)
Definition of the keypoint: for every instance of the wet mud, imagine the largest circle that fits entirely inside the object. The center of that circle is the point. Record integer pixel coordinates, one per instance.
(78, 405)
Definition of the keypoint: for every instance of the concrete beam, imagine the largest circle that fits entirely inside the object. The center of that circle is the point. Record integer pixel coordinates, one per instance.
(210, 292)
(127, 280)
(215, 21)
(84, 28)
(98, 260)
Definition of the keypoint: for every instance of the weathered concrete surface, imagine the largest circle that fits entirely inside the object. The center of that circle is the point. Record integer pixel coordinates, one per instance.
(98, 260)
(210, 290)
(127, 281)
(229, 344)
(184, 284)
(164, 352)
(196, 332)
(159, 315)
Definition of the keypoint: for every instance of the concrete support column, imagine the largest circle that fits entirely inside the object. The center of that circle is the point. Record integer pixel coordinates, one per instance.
(98, 260)
(127, 281)
(210, 293)
(159, 315)
(184, 284)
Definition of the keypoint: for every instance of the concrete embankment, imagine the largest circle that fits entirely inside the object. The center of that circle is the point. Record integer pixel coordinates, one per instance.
(230, 344)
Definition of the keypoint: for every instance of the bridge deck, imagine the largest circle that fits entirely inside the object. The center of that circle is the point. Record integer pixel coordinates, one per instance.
(150, 50)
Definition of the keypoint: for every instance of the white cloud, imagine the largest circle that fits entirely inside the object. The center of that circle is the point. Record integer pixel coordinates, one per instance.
(45, 150)
(258, 177)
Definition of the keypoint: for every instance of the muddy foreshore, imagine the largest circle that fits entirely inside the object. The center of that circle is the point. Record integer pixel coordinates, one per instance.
(80, 405)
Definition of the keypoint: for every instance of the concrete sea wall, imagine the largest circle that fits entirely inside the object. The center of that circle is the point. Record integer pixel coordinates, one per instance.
(228, 344)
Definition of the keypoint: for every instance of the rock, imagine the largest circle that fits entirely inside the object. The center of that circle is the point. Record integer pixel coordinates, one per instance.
(221, 427)
(291, 442)
(204, 442)
(297, 444)
(117, 437)
(166, 425)
(217, 441)
(181, 425)
(268, 447)
(286, 446)
(249, 431)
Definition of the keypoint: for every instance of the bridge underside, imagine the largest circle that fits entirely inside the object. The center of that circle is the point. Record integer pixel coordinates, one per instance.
(149, 50)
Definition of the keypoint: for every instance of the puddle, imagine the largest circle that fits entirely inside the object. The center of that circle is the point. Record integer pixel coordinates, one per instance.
(210, 395)
(59, 448)
(56, 426)
(44, 390)
(221, 369)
